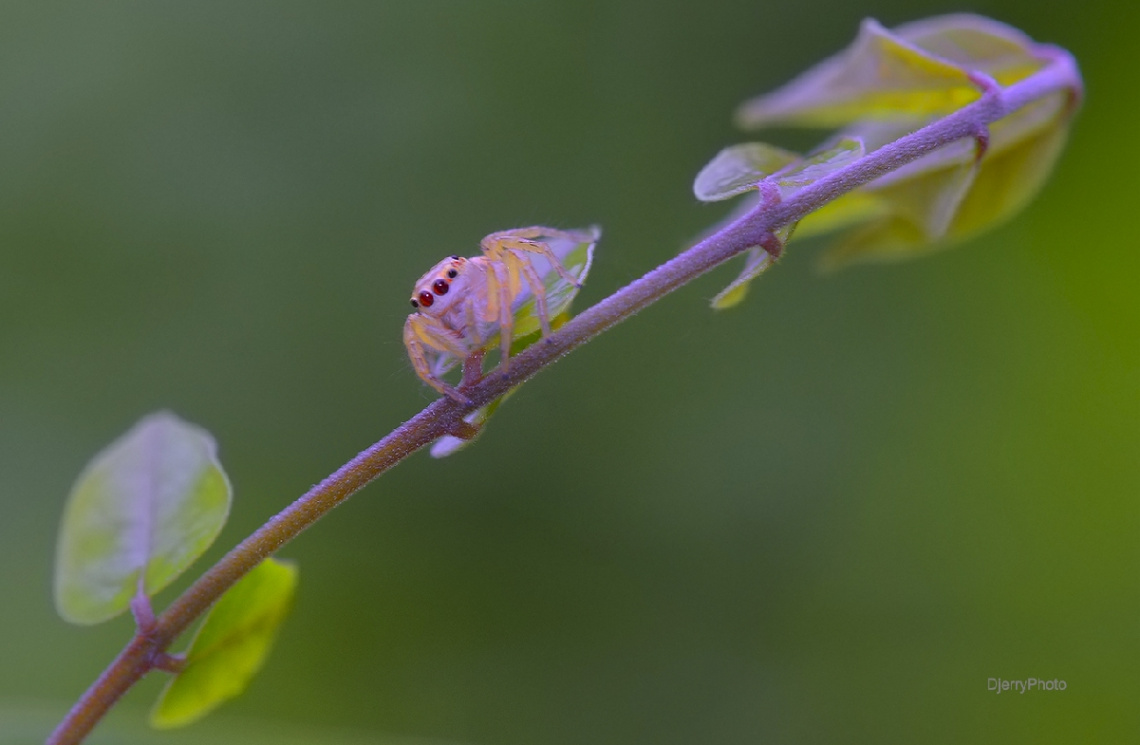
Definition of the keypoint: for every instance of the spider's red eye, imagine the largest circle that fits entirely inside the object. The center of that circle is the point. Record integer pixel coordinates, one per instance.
(440, 287)
(426, 299)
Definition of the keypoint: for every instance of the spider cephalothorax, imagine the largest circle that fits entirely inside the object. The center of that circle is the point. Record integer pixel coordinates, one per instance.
(430, 295)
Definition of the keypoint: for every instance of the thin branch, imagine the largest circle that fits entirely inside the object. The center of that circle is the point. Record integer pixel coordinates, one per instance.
(445, 415)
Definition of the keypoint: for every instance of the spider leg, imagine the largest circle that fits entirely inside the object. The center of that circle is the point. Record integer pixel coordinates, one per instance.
(420, 331)
(534, 231)
(521, 266)
(471, 317)
(520, 239)
(500, 287)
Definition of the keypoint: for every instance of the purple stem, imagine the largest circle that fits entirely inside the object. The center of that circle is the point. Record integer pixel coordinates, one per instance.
(445, 415)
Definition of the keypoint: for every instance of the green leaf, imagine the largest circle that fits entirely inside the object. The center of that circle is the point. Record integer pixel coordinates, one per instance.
(140, 513)
(738, 169)
(230, 646)
(914, 72)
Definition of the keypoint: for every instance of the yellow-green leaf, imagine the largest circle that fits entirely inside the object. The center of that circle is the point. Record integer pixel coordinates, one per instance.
(975, 42)
(756, 262)
(230, 646)
(855, 207)
(912, 72)
(1009, 179)
(140, 513)
(934, 204)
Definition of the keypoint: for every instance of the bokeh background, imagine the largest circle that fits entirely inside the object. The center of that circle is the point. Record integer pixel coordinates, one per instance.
(828, 516)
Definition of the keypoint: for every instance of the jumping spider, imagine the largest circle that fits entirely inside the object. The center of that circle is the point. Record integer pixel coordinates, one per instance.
(461, 302)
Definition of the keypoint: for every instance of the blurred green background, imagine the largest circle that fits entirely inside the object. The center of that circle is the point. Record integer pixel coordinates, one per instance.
(828, 516)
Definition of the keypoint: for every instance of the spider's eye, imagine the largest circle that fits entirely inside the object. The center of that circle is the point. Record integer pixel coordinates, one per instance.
(426, 299)
(451, 273)
(455, 258)
(415, 303)
(440, 287)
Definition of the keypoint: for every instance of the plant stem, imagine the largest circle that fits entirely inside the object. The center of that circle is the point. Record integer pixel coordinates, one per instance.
(445, 416)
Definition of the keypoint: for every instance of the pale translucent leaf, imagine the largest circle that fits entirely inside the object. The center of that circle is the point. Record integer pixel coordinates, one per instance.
(140, 513)
(577, 257)
(231, 645)
(450, 444)
(739, 168)
(842, 153)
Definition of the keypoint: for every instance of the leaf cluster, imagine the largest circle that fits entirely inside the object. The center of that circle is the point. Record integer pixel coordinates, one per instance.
(885, 85)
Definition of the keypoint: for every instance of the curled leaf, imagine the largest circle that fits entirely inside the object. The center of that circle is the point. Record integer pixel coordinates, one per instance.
(887, 84)
(940, 200)
(914, 72)
(140, 513)
(231, 645)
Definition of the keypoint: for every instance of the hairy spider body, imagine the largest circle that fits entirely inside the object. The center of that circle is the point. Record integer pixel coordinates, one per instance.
(462, 302)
